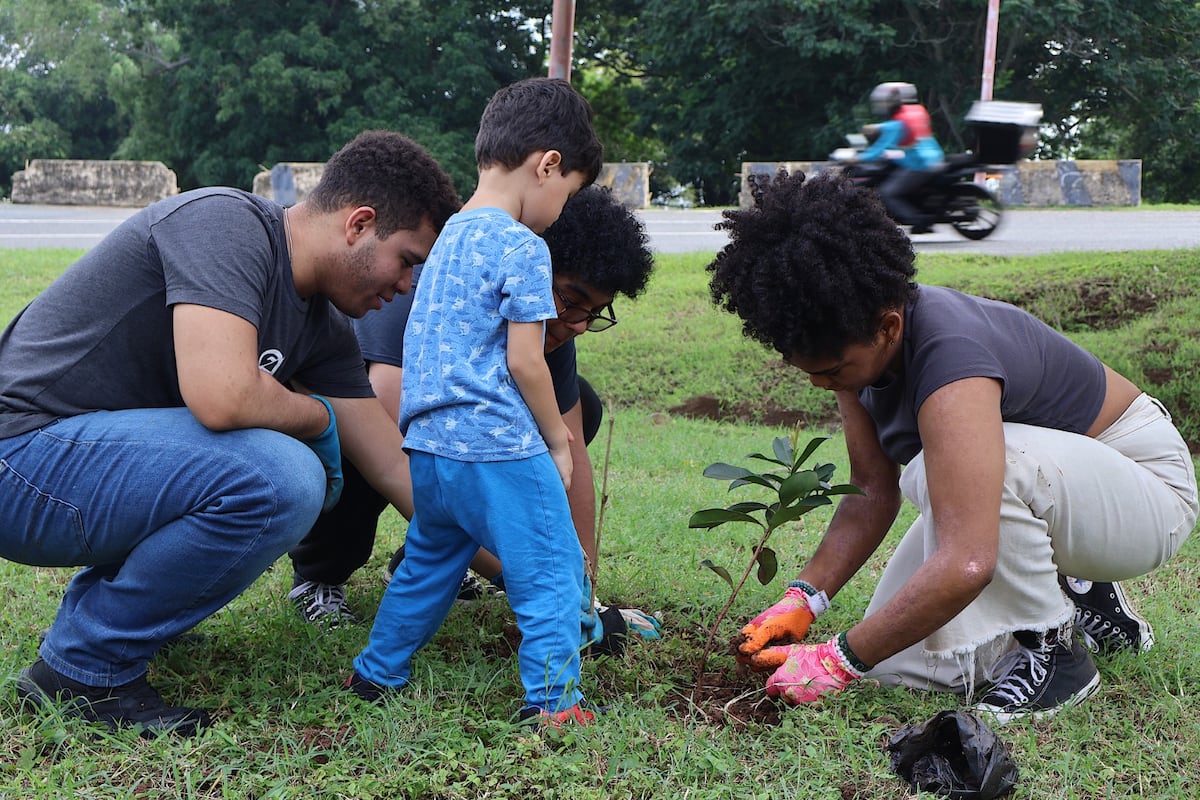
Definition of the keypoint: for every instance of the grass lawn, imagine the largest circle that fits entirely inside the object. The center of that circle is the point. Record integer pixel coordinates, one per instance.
(687, 390)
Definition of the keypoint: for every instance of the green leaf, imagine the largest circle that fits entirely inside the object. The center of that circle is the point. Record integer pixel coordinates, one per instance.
(824, 471)
(712, 517)
(843, 488)
(761, 457)
(749, 507)
(758, 480)
(722, 471)
(799, 485)
(799, 509)
(810, 448)
(724, 573)
(768, 565)
(783, 450)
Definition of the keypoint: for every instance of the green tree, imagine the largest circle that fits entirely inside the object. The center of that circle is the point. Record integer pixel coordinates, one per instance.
(54, 64)
(253, 86)
(1116, 80)
(785, 79)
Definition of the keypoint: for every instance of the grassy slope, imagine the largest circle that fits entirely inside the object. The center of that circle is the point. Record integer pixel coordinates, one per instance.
(286, 731)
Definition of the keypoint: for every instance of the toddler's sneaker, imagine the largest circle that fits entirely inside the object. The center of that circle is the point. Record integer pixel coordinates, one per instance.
(1046, 673)
(1105, 617)
(366, 690)
(577, 714)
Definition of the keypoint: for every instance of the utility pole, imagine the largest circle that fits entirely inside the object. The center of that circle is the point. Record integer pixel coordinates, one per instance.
(989, 50)
(989, 64)
(562, 33)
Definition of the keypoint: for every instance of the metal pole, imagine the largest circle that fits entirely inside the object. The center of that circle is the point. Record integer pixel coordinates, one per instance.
(989, 50)
(562, 32)
(989, 64)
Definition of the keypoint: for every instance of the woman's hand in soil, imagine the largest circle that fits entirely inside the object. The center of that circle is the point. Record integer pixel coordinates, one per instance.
(785, 622)
(807, 672)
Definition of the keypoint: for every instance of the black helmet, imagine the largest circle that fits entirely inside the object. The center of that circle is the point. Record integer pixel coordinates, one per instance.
(886, 98)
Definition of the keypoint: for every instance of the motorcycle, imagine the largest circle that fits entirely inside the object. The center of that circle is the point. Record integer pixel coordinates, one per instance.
(950, 194)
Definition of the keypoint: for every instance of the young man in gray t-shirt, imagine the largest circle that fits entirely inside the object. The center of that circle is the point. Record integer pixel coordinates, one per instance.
(171, 409)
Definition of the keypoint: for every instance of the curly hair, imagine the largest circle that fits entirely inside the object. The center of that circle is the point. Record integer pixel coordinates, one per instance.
(389, 172)
(601, 243)
(813, 266)
(539, 114)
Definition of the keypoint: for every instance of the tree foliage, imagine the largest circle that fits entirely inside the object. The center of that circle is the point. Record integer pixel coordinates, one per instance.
(785, 79)
(259, 83)
(54, 61)
(218, 88)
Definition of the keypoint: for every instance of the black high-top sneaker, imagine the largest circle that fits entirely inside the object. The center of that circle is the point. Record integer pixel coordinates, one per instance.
(1046, 673)
(1105, 617)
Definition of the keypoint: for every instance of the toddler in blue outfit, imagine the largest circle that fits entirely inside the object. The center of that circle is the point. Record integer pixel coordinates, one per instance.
(488, 448)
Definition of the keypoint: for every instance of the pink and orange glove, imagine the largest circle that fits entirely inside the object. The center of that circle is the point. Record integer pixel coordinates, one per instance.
(807, 672)
(785, 622)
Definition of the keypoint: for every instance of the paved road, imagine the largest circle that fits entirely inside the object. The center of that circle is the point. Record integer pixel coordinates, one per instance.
(1023, 232)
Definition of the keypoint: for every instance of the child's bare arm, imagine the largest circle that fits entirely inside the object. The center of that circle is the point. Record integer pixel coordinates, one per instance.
(527, 364)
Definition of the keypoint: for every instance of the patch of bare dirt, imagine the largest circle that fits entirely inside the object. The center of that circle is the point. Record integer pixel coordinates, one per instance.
(1099, 305)
(736, 701)
(762, 413)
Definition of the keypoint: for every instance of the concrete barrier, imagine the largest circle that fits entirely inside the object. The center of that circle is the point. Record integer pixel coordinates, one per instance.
(1028, 183)
(73, 182)
(288, 183)
(629, 181)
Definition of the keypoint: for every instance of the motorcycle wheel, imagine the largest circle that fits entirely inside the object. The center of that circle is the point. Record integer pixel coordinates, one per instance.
(972, 210)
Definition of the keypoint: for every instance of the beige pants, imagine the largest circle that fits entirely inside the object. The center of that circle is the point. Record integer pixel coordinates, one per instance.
(1103, 509)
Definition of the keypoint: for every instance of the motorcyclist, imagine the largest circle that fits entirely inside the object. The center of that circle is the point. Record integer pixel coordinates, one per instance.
(908, 129)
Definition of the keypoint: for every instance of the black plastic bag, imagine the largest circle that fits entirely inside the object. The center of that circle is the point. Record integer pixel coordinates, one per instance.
(953, 754)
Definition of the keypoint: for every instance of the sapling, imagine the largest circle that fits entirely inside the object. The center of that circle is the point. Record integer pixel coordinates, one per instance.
(794, 491)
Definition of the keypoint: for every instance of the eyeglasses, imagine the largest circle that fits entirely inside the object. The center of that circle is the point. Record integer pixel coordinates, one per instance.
(573, 314)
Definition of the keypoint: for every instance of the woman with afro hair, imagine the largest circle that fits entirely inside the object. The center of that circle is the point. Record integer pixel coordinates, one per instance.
(1041, 476)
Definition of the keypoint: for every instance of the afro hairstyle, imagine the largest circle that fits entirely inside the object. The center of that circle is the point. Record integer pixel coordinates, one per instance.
(600, 242)
(812, 267)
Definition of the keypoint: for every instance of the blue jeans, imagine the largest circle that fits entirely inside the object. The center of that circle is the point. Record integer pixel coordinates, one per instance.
(172, 521)
(517, 510)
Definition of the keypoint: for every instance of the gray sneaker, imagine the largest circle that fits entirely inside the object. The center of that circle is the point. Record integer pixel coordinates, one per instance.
(1046, 673)
(322, 604)
(1106, 618)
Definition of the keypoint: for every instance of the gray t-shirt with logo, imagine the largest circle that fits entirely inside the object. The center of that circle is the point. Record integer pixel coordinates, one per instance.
(100, 337)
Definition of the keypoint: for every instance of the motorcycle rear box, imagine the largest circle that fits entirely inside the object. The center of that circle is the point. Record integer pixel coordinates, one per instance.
(1005, 132)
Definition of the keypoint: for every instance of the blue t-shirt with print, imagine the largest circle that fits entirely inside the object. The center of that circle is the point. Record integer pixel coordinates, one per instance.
(458, 398)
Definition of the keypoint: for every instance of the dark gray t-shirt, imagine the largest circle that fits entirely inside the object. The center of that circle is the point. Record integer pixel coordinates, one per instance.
(1047, 380)
(100, 337)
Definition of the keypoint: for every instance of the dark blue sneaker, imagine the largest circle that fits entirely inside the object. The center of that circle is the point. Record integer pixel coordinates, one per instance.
(367, 690)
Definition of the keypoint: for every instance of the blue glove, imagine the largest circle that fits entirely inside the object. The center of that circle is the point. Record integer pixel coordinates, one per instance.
(329, 450)
(591, 629)
(641, 623)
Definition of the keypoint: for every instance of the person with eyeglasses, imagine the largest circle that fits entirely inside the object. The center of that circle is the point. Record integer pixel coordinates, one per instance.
(598, 249)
